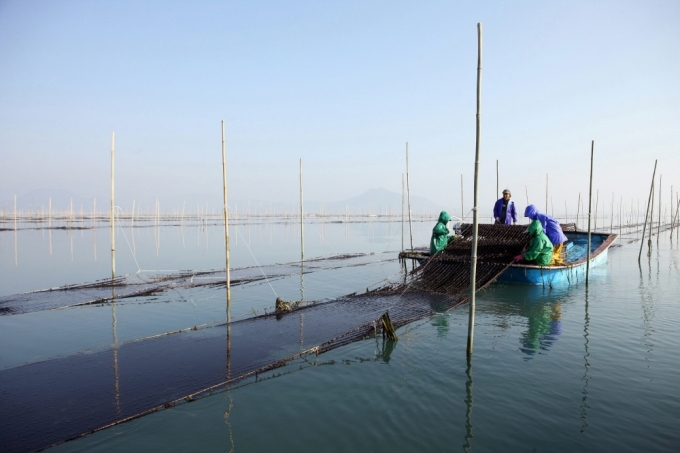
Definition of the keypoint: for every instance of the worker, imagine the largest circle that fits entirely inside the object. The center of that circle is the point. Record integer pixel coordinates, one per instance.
(540, 249)
(504, 212)
(552, 229)
(440, 234)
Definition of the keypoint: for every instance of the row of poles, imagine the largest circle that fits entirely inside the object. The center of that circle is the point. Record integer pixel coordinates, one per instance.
(475, 210)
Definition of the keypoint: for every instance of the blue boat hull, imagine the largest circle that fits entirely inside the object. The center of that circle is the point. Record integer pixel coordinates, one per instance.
(559, 275)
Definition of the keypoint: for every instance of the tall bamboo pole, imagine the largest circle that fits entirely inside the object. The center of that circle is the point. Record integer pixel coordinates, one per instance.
(498, 194)
(677, 209)
(651, 218)
(462, 208)
(590, 206)
(408, 191)
(113, 237)
(658, 227)
(546, 193)
(611, 216)
(473, 263)
(226, 223)
(402, 212)
(302, 219)
(651, 191)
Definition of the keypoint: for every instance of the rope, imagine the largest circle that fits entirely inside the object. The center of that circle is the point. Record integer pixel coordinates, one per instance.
(128, 242)
(258, 264)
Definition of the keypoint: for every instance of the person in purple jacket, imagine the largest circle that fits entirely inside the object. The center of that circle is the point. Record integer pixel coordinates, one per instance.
(504, 210)
(552, 229)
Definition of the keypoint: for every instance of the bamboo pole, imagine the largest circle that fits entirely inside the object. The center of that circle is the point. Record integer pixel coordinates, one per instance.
(546, 193)
(677, 209)
(590, 202)
(651, 219)
(498, 194)
(658, 227)
(611, 216)
(408, 190)
(16, 253)
(462, 209)
(651, 191)
(113, 238)
(475, 214)
(226, 223)
(402, 212)
(302, 219)
(49, 215)
(597, 204)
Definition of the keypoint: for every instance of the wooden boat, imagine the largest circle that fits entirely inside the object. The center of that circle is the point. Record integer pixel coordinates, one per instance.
(573, 271)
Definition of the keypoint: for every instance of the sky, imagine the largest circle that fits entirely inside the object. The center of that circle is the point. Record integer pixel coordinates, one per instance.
(343, 86)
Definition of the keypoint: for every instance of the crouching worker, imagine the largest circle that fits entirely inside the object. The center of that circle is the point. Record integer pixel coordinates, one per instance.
(552, 229)
(440, 234)
(540, 249)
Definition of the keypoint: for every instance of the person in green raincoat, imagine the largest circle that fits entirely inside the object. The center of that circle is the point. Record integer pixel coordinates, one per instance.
(440, 234)
(540, 249)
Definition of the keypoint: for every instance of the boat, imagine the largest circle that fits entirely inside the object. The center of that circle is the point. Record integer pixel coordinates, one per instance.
(575, 268)
(573, 271)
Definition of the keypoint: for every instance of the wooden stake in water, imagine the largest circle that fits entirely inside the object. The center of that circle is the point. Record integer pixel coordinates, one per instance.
(226, 223)
(677, 209)
(546, 193)
(402, 212)
(113, 238)
(651, 219)
(302, 219)
(498, 194)
(473, 263)
(526, 192)
(651, 191)
(590, 206)
(658, 227)
(408, 190)
(462, 208)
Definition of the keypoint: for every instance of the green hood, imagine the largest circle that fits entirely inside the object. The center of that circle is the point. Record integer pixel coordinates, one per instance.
(535, 228)
(444, 217)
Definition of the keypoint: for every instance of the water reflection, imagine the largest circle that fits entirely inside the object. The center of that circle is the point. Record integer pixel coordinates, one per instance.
(385, 352)
(469, 403)
(542, 308)
(544, 326)
(586, 378)
(441, 323)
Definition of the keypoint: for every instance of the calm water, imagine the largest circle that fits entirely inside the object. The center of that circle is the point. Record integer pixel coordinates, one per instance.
(553, 370)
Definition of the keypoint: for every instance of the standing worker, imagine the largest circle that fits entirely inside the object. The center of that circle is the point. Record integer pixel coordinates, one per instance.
(552, 229)
(504, 212)
(440, 234)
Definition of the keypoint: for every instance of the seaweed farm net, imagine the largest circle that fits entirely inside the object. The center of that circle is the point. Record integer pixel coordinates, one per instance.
(46, 403)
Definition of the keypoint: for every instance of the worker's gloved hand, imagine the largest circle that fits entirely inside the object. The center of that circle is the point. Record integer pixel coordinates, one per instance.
(518, 258)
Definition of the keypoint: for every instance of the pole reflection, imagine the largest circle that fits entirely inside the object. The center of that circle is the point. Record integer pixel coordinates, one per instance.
(585, 378)
(469, 403)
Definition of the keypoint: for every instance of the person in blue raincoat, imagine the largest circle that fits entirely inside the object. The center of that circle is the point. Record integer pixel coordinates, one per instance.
(504, 211)
(440, 234)
(552, 229)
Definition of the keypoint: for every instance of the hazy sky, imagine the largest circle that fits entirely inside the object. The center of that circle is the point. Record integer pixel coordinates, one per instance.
(343, 85)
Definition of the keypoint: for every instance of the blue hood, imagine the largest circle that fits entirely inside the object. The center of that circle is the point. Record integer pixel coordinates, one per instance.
(531, 212)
